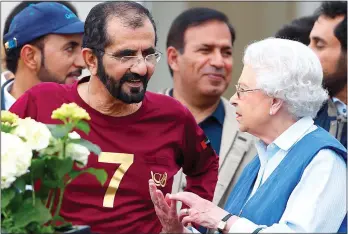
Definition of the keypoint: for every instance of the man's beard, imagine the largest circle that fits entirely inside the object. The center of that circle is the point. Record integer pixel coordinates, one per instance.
(336, 81)
(114, 87)
(45, 75)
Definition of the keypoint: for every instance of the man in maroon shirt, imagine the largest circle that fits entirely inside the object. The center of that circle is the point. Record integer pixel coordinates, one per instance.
(142, 135)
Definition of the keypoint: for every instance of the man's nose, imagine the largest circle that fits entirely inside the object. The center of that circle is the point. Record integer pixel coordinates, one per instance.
(140, 67)
(217, 60)
(79, 62)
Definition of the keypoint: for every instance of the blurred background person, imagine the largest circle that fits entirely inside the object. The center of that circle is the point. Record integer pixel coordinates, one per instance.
(328, 39)
(199, 55)
(37, 50)
(298, 29)
(297, 182)
(6, 74)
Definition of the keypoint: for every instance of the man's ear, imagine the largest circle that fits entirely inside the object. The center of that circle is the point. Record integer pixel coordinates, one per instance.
(172, 58)
(90, 60)
(31, 56)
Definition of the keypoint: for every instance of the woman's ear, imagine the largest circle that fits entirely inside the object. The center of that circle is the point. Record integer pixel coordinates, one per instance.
(276, 105)
(90, 60)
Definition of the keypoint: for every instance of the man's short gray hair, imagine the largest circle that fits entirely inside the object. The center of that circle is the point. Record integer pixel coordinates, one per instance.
(290, 71)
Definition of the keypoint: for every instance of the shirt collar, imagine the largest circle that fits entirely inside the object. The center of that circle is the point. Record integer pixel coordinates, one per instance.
(341, 106)
(9, 99)
(218, 114)
(291, 135)
(285, 141)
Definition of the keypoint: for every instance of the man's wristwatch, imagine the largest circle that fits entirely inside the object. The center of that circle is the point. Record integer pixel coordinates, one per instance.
(222, 224)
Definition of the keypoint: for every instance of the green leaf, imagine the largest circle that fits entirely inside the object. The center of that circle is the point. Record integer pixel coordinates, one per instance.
(6, 196)
(28, 213)
(74, 174)
(59, 131)
(89, 145)
(100, 174)
(20, 183)
(35, 227)
(63, 166)
(45, 229)
(56, 169)
(37, 168)
(6, 128)
(16, 202)
(83, 126)
(60, 223)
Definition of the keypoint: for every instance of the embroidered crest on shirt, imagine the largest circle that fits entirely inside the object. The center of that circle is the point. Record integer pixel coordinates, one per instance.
(159, 179)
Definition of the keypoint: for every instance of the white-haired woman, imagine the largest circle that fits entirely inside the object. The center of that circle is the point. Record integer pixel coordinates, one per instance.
(297, 182)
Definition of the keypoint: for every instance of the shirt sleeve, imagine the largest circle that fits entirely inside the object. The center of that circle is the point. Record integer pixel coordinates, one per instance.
(25, 106)
(199, 161)
(317, 204)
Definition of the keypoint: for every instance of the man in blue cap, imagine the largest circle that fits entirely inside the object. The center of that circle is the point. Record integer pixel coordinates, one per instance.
(43, 44)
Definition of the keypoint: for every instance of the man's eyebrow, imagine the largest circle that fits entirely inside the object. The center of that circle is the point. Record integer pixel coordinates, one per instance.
(224, 47)
(125, 52)
(318, 39)
(149, 50)
(72, 44)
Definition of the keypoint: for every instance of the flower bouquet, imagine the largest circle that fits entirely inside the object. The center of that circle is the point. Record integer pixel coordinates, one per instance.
(50, 156)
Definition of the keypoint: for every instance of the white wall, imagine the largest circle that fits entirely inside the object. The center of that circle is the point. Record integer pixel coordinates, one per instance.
(164, 14)
(306, 8)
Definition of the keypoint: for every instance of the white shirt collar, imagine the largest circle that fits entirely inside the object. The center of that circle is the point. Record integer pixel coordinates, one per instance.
(341, 106)
(286, 140)
(9, 99)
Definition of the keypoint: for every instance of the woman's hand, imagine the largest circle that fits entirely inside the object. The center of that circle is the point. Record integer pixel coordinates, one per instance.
(165, 210)
(201, 211)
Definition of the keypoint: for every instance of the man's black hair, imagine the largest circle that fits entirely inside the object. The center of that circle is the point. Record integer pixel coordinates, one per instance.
(298, 30)
(332, 10)
(131, 14)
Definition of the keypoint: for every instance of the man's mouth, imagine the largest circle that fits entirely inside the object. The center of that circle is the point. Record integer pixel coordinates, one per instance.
(75, 74)
(134, 83)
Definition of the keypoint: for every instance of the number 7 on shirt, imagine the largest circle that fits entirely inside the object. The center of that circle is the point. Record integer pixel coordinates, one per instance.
(125, 161)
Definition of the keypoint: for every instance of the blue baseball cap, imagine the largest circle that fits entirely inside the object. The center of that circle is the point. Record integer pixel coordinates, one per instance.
(41, 19)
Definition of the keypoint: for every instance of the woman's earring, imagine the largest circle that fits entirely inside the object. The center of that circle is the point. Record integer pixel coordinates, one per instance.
(270, 112)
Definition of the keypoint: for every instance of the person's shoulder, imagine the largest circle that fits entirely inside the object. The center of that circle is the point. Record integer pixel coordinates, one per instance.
(166, 103)
(48, 88)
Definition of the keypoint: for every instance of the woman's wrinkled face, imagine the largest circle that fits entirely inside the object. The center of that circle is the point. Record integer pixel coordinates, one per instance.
(252, 105)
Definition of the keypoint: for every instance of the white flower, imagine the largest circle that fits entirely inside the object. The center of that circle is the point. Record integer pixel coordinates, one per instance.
(36, 134)
(15, 158)
(77, 152)
(74, 135)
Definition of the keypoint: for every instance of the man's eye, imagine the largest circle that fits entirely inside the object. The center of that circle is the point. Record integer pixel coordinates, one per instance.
(204, 50)
(69, 49)
(227, 53)
(319, 45)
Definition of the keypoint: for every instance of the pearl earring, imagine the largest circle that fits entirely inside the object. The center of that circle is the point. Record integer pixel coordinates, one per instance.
(270, 112)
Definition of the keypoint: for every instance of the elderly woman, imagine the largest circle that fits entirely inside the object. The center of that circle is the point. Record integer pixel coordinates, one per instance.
(297, 182)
